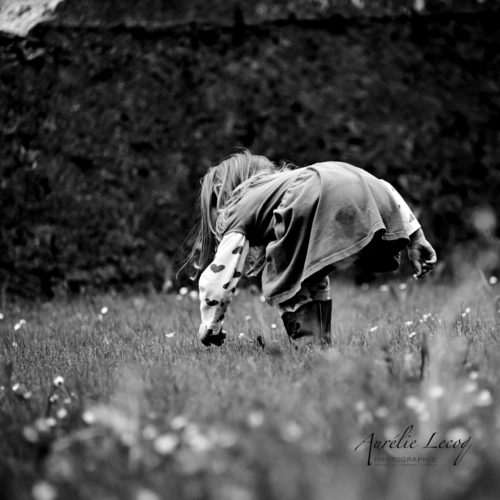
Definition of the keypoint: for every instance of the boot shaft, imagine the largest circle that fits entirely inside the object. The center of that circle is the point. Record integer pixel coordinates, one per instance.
(310, 323)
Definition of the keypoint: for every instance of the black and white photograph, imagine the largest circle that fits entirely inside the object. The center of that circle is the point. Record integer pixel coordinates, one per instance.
(249, 250)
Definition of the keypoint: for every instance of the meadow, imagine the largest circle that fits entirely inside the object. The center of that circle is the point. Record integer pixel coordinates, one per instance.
(113, 397)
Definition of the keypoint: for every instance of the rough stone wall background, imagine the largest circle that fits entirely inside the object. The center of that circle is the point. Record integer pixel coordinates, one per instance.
(104, 132)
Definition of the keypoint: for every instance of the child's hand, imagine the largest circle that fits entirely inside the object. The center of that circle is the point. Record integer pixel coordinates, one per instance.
(208, 338)
(421, 254)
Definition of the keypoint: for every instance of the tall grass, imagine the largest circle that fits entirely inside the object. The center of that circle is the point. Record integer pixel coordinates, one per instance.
(113, 397)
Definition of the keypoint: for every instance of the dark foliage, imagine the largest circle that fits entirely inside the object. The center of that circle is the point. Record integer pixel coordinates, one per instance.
(105, 132)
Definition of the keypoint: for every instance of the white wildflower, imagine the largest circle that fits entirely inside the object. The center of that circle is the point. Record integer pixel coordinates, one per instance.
(255, 419)
(457, 433)
(470, 386)
(402, 286)
(19, 324)
(42, 490)
(51, 422)
(62, 413)
(484, 398)
(169, 335)
(184, 290)
(384, 288)
(436, 392)
(419, 5)
(104, 310)
(178, 422)
(193, 295)
(492, 281)
(166, 444)
(381, 412)
(373, 329)
(291, 432)
(88, 417)
(145, 494)
(58, 381)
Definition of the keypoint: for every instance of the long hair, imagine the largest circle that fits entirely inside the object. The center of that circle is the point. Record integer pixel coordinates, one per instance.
(221, 188)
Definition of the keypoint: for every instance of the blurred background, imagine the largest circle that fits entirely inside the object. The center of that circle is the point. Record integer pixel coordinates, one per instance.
(111, 111)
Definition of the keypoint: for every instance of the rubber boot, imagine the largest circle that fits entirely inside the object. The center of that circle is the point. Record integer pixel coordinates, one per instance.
(310, 324)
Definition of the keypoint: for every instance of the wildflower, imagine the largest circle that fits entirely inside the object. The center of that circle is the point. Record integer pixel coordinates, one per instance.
(58, 381)
(248, 317)
(225, 438)
(359, 4)
(255, 419)
(2, 316)
(412, 334)
(423, 416)
(41, 425)
(21, 391)
(149, 432)
(273, 326)
(466, 312)
(42, 490)
(360, 405)
(426, 316)
(419, 5)
(104, 310)
(492, 281)
(51, 422)
(19, 324)
(484, 398)
(193, 295)
(30, 434)
(62, 413)
(145, 494)
(474, 375)
(381, 412)
(415, 404)
(384, 288)
(436, 392)
(457, 433)
(67, 401)
(184, 290)
(169, 335)
(15, 345)
(373, 329)
(88, 417)
(291, 432)
(402, 286)
(241, 335)
(178, 422)
(262, 298)
(408, 323)
(196, 440)
(470, 386)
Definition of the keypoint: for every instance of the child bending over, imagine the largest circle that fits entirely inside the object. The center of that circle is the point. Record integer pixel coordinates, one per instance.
(295, 227)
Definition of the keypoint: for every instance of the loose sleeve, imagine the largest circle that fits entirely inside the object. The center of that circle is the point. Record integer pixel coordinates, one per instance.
(218, 282)
(410, 222)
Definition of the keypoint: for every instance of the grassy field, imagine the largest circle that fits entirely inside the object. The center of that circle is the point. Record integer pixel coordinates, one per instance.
(113, 397)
